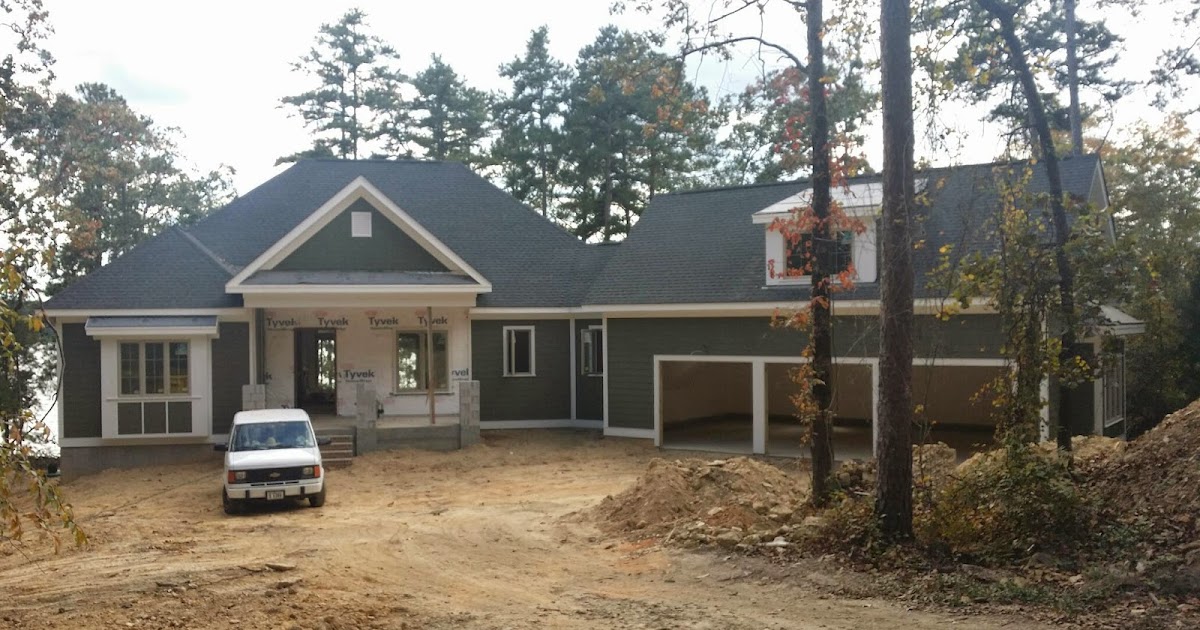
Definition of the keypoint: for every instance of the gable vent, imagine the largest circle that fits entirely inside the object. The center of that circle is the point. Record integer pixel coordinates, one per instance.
(360, 224)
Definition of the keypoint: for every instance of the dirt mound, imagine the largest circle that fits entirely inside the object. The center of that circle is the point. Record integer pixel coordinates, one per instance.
(933, 465)
(1156, 480)
(732, 497)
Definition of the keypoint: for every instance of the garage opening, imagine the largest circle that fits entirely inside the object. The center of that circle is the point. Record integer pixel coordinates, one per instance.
(955, 406)
(707, 405)
(852, 410)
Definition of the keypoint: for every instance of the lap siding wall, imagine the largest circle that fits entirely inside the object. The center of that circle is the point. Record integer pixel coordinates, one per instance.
(545, 396)
(633, 343)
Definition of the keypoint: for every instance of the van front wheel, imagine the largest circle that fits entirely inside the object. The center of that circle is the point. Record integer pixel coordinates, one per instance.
(231, 506)
(318, 499)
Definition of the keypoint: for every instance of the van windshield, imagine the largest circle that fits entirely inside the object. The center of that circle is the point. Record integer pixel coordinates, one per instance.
(261, 436)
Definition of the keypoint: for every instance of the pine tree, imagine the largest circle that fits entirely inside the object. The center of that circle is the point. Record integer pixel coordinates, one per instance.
(450, 118)
(634, 127)
(356, 85)
(530, 124)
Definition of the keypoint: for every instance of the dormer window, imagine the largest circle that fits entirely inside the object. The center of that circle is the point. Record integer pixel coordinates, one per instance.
(801, 252)
(786, 263)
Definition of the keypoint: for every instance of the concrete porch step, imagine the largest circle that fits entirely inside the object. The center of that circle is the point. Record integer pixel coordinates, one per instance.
(332, 463)
(340, 452)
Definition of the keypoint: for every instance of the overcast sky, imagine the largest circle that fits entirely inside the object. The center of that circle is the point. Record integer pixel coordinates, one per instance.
(217, 69)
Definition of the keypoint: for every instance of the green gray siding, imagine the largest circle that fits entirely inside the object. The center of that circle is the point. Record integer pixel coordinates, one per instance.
(546, 396)
(80, 383)
(230, 371)
(632, 344)
(333, 249)
(589, 394)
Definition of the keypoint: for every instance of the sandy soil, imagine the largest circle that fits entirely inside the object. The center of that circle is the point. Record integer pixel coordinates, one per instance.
(484, 538)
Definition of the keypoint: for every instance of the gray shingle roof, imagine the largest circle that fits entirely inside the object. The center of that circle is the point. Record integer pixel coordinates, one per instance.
(529, 260)
(701, 246)
(166, 271)
(690, 247)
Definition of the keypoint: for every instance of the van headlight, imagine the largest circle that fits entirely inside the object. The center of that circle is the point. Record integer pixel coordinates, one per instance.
(236, 476)
(311, 472)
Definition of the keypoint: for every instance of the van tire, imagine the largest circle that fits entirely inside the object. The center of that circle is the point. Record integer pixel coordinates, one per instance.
(318, 499)
(231, 506)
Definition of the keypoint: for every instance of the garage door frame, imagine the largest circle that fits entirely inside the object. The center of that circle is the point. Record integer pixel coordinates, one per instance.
(758, 382)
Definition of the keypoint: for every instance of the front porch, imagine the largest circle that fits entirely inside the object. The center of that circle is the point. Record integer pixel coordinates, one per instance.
(328, 421)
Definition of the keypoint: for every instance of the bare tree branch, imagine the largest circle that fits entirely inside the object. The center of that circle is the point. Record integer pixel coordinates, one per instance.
(748, 38)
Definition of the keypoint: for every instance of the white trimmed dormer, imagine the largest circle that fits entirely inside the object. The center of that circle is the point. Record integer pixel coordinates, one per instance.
(858, 201)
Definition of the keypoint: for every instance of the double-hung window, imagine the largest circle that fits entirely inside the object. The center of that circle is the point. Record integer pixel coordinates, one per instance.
(591, 351)
(413, 358)
(800, 254)
(518, 351)
(154, 368)
(154, 387)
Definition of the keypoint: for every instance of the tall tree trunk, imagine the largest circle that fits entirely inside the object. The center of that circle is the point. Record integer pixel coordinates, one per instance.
(1073, 81)
(1005, 15)
(354, 116)
(822, 263)
(893, 445)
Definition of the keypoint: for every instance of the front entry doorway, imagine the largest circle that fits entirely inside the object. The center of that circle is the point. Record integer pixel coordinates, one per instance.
(316, 370)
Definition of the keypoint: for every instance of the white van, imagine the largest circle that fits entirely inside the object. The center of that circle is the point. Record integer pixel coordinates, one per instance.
(272, 455)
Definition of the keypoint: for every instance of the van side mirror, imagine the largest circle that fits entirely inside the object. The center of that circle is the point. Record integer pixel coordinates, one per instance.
(221, 447)
(324, 441)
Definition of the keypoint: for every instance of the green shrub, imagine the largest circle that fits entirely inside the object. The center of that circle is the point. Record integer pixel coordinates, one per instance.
(1007, 505)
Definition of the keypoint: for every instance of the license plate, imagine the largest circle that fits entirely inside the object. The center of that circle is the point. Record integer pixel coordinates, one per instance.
(274, 495)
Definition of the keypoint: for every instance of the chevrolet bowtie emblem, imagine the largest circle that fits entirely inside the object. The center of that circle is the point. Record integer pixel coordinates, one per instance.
(274, 475)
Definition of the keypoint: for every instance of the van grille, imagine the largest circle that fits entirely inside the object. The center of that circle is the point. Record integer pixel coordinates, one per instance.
(273, 475)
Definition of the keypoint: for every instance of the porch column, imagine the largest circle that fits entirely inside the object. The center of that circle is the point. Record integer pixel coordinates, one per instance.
(758, 381)
(260, 347)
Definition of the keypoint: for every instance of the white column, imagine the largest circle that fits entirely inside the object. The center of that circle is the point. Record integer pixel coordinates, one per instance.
(607, 368)
(658, 420)
(758, 381)
(573, 342)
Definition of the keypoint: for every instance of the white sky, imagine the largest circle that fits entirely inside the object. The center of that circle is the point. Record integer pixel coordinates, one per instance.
(217, 69)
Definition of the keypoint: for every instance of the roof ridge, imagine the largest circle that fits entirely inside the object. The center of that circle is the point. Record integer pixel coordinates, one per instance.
(377, 160)
(210, 254)
(929, 170)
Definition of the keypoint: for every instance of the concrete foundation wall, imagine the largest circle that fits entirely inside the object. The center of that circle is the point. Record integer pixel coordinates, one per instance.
(432, 438)
(77, 461)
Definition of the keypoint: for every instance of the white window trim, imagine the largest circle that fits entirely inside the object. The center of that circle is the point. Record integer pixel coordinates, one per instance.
(396, 332)
(143, 395)
(504, 339)
(585, 338)
(863, 256)
(199, 386)
(360, 224)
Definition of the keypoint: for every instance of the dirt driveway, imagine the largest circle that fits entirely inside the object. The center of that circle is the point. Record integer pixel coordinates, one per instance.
(477, 539)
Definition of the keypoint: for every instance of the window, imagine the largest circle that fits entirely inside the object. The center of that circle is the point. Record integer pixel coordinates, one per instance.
(412, 357)
(800, 253)
(154, 368)
(518, 351)
(360, 225)
(591, 350)
(1114, 390)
